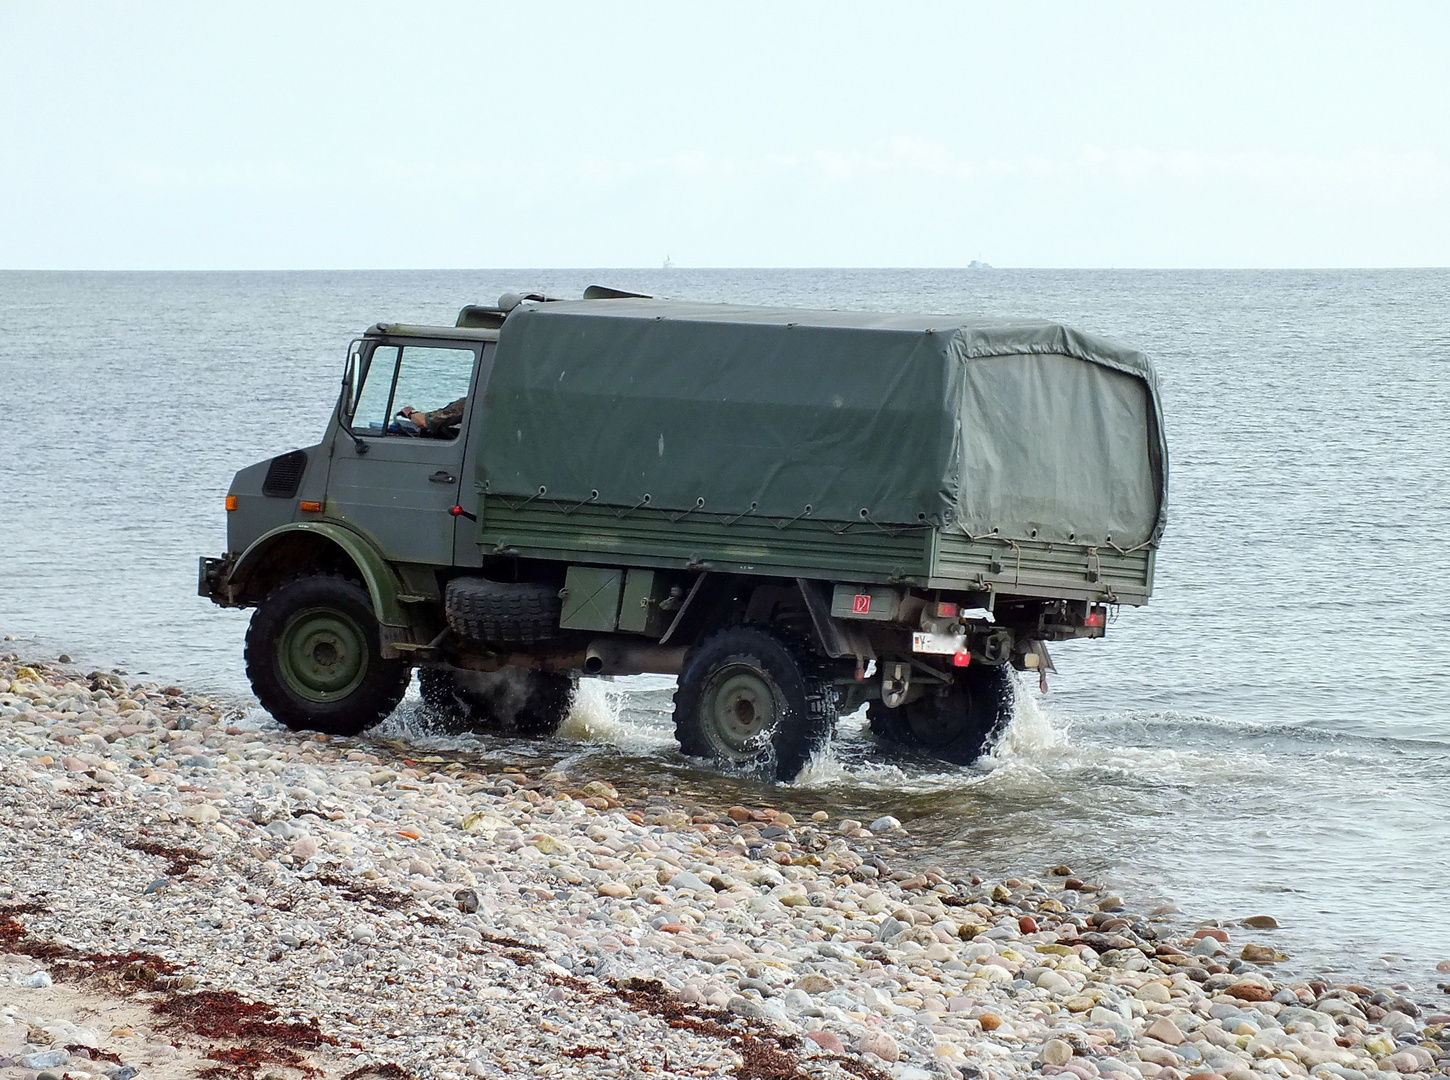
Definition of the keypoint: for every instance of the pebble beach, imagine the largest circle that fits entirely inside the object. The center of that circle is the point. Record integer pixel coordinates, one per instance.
(183, 894)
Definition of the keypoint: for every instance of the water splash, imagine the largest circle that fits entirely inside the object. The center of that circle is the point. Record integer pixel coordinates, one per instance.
(255, 718)
(1033, 734)
(616, 715)
(828, 769)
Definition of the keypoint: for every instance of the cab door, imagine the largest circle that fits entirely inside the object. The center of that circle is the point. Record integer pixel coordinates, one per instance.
(398, 483)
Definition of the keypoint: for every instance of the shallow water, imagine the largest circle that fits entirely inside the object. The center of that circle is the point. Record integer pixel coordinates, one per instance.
(1270, 735)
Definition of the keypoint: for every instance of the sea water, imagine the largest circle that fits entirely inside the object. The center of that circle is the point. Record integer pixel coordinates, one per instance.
(1271, 735)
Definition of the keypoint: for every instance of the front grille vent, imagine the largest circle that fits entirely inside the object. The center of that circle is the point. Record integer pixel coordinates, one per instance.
(284, 475)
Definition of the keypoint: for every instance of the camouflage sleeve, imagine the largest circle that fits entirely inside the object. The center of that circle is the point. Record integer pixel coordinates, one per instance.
(448, 416)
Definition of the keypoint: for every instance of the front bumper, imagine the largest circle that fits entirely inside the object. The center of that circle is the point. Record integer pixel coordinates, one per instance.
(213, 580)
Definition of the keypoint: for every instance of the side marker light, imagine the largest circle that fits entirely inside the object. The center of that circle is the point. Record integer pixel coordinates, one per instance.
(231, 502)
(310, 506)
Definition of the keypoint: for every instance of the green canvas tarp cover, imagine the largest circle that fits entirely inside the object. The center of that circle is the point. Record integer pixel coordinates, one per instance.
(1026, 429)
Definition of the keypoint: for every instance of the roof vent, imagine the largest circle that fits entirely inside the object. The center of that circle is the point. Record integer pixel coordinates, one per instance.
(509, 300)
(477, 316)
(604, 292)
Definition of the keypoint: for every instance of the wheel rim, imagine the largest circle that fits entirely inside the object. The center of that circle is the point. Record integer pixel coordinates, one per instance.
(323, 654)
(741, 710)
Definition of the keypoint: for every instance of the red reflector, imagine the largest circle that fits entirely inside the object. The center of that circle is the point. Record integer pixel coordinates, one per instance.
(456, 511)
(946, 611)
(961, 658)
(1096, 617)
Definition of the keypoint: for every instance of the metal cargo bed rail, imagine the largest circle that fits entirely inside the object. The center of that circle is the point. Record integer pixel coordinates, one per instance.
(1040, 568)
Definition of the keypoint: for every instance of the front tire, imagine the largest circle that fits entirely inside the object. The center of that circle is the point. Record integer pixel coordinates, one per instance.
(954, 724)
(314, 657)
(747, 700)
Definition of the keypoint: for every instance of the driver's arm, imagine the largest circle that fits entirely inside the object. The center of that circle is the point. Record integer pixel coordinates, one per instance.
(451, 415)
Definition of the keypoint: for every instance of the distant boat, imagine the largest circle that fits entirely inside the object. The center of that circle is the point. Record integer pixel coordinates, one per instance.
(669, 265)
(975, 264)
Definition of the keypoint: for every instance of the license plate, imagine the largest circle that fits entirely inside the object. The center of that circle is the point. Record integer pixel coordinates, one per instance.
(939, 644)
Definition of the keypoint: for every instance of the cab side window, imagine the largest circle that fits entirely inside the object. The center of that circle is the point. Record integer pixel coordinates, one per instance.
(425, 378)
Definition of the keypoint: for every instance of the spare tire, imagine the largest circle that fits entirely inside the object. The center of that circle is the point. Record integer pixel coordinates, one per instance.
(502, 613)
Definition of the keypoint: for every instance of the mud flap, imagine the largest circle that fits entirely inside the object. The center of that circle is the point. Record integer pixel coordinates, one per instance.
(1034, 657)
(1044, 661)
(838, 639)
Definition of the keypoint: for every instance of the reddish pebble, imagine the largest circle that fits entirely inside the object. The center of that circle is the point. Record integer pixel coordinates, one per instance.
(828, 1042)
(1209, 931)
(1027, 924)
(672, 928)
(1248, 991)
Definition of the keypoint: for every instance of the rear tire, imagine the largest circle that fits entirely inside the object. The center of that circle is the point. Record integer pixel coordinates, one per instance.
(747, 699)
(955, 724)
(435, 687)
(510, 701)
(441, 705)
(314, 657)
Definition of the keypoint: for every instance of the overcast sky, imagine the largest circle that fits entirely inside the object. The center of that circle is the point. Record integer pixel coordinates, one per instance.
(253, 135)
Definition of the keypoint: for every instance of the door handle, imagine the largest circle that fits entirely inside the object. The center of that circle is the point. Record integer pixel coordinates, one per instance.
(442, 476)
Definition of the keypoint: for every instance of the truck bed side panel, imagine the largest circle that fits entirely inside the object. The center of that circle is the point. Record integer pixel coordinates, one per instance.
(802, 548)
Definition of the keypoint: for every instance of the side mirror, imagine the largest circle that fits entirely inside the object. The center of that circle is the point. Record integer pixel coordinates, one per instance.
(352, 376)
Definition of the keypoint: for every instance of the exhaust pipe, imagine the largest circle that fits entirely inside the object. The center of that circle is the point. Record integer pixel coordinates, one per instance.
(608, 656)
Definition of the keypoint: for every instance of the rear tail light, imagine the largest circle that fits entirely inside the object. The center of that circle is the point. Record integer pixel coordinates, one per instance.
(961, 658)
(1096, 617)
(945, 610)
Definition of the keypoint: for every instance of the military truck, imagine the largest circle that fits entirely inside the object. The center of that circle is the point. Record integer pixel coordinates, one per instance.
(795, 512)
